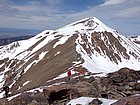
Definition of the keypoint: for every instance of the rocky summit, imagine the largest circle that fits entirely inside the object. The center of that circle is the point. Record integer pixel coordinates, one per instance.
(103, 64)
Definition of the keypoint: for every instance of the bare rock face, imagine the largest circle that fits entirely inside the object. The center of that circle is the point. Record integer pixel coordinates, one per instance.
(132, 100)
(60, 92)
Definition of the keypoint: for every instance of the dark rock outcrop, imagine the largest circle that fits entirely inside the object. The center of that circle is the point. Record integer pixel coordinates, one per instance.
(96, 102)
(132, 100)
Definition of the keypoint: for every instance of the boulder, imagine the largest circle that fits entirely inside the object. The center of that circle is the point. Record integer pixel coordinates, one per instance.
(124, 75)
(132, 100)
(96, 102)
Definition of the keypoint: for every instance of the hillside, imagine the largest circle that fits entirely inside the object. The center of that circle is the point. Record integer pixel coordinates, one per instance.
(87, 44)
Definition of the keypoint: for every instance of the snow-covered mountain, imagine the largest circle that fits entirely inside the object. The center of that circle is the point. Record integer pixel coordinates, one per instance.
(87, 43)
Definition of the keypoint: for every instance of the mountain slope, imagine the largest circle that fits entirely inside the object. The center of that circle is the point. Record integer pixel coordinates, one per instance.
(136, 40)
(88, 44)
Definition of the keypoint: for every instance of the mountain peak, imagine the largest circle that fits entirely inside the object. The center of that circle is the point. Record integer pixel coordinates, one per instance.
(90, 23)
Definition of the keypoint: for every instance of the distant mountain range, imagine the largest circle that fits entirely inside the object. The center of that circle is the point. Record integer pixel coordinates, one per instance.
(13, 39)
(9, 35)
(15, 32)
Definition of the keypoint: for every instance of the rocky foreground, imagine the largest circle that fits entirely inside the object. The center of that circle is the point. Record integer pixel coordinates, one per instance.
(123, 85)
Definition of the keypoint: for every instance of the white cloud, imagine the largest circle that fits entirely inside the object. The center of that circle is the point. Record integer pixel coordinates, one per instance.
(129, 12)
(25, 8)
(112, 2)
(54, 3)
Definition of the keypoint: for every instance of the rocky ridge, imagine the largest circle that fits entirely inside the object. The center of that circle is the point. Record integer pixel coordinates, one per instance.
(122, 85)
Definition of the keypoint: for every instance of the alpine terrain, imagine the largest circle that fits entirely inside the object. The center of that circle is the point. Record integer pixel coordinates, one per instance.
(40, 64)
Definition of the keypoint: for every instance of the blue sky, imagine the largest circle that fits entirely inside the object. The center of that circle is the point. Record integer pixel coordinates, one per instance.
(122, 15)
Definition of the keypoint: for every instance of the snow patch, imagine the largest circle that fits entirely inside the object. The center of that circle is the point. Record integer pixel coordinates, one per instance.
(87, 100)
(57, 53)
(10, 98)
(138, 81)
(26, 83)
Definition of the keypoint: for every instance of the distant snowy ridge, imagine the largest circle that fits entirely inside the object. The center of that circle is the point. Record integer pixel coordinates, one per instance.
(12, 50)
